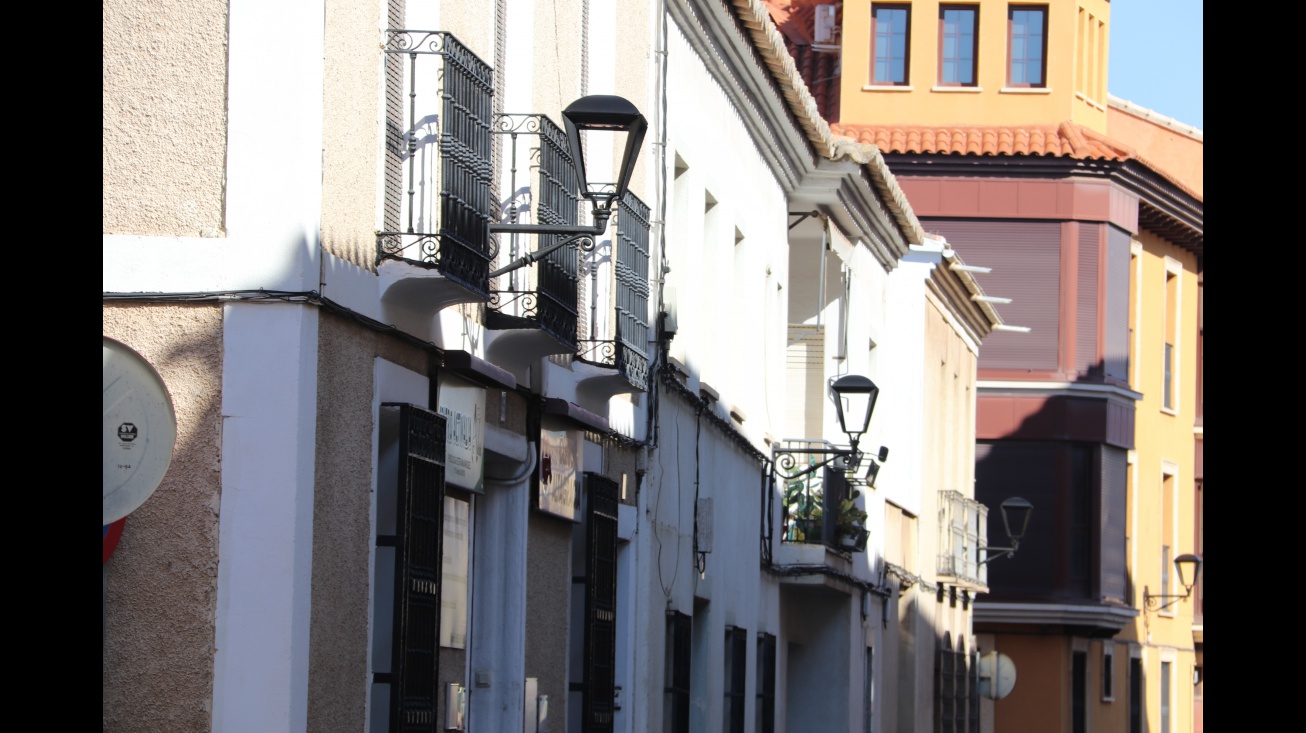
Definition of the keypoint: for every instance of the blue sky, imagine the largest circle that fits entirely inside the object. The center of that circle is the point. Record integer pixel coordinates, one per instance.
(1156, 56)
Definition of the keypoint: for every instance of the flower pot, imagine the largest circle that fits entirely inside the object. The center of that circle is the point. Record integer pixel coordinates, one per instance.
(854, 540)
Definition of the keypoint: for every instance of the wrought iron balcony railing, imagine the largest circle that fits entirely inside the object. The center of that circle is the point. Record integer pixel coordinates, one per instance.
(447, 156)
(621, 340)
(542, 297)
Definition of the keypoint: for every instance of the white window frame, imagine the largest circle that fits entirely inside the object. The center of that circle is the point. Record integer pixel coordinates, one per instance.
(1174, 268)
(1170, 469)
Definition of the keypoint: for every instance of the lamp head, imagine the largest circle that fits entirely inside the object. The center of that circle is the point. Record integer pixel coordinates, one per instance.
(1016, 511)
(1194, 564)
(610, 113)
(854, 399)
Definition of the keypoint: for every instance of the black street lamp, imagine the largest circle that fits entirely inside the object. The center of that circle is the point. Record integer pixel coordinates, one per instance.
(603, 112)
(1152, 602)
(1022, 511)
(854, 400)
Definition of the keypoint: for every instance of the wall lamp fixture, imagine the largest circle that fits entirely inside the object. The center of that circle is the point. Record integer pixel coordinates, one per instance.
(1153, 602)
(854, 401)
(603, 112)
(1022, 510)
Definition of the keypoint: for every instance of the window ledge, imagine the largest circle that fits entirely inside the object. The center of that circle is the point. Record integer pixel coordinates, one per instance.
(1169, 411)
(888, 88)
(963, 90)
(1025, 90)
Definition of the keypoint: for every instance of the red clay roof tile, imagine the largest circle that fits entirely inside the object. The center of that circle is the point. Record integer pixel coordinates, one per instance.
(1067, 139)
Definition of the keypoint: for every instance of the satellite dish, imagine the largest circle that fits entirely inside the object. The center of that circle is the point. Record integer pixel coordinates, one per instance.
(139, 430)
(997, 675)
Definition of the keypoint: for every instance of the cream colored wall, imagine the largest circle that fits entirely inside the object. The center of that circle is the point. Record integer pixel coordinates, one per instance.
(161, 583)
(950, 375)
(164, 117)
(926, 104)
(1175, 153)
(352, 96)
(1163, 438)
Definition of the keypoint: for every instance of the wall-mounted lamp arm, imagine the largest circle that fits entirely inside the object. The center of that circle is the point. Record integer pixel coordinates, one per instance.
(1152, 602)
(539, 254)
(787, 466)
(993, 553)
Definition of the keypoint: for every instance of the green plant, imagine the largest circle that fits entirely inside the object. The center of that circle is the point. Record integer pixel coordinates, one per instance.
(850, 519)
(805, 507)
(802, 502)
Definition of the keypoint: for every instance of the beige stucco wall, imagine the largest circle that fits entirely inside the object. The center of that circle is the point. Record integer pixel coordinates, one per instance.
(548, 610)
(165, 123)
(353, 107)
(342, 531)
(161, 583)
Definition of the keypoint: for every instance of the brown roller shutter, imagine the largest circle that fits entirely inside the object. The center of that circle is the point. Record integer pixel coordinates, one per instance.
(1026, 261)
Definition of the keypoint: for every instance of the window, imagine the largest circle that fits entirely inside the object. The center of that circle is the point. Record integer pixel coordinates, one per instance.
(1168, 527)
(890, 44)
(1135, 695)
(1171, 323)
(957, 45)
(675, 716)
(1108, 672)
(1165, 697)
(868, 711)
(1026, 44)
(1079, 692)
(766, 683)
(736, 657)
(956, 685)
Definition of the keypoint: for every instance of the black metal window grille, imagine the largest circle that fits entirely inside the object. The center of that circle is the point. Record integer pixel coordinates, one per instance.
(736, 659)
(417, 540)
(626, 349)
(956, 688)
(1135, 695)
(1079, 692)
(452, 236)
(548, 298)
(675, 715)
(766, 683)
(598, 696)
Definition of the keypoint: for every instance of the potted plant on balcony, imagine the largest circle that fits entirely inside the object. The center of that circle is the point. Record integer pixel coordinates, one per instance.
(804, 508)
(850, 524)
